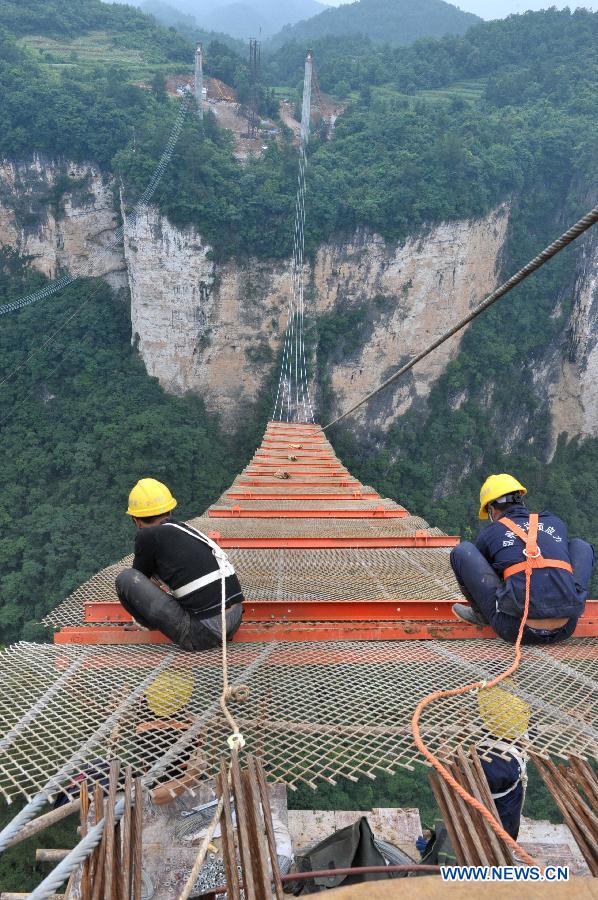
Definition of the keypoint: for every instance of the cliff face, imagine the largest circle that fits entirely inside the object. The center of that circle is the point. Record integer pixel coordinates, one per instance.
(62, 216)
(214, 329)
(217, 329)
(573, 393)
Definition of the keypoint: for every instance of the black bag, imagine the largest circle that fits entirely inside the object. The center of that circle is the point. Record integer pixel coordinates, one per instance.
(348, 848)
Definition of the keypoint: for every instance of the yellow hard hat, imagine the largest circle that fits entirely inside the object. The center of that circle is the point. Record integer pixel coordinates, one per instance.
(497, 486)
(169, 692)
(150, 498)
(504, 714)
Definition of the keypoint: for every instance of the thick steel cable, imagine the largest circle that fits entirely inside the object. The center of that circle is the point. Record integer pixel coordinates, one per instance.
(293, 390)
(75, 858)
(563, 241)
(86, 269)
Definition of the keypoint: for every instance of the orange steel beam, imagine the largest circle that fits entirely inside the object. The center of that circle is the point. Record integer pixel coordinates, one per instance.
(270, 470)
(305, 543)
(349, 631)
(104, 611)
(389, 611)
(349, 495)
(262, 473)
(270, 462)
(114, 634)
(294, 435)
(95, 612)
(216, 512)
(277, 482)
(290, 451)
(293, 427)
(298, 444)
(281, 631)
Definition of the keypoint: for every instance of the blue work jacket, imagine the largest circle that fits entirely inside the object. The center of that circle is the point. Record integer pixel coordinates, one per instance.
(554, 592)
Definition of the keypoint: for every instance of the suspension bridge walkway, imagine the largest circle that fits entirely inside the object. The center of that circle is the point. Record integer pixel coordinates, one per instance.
(341, 587)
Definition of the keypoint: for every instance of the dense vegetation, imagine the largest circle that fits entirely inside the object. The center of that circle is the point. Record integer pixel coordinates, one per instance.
(387, 21)
(67, 18)
(402, 154)
(81, 421)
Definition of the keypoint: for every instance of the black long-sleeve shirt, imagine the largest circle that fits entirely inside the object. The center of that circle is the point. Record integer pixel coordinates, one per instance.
(177, 559)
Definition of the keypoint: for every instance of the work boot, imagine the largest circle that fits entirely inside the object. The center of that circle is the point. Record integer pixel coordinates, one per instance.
(468, 614)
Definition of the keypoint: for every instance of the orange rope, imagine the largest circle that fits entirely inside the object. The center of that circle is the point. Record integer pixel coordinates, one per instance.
(437, 695)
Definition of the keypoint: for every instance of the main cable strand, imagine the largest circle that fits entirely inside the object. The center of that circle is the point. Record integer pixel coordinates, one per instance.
(292, 397)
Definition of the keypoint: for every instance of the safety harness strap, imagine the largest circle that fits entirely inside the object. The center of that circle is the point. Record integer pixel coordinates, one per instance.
(224, 570)
(539, 563)
(533, 558)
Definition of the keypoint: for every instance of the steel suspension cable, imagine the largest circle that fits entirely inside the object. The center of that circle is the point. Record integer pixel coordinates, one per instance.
(581, 226)
(292, 397)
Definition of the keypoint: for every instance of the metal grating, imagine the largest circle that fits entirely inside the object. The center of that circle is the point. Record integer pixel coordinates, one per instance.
(283, 528)
(315, 711)
(385, 574)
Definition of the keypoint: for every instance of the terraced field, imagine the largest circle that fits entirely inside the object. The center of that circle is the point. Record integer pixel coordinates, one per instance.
(96, 48)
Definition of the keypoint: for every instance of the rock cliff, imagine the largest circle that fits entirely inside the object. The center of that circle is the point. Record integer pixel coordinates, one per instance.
(573, 394)
(62, 216)
(216, 329)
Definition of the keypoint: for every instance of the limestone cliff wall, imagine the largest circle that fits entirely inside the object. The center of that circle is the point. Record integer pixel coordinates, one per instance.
(214, 329)
(573, 368)
(60, 232)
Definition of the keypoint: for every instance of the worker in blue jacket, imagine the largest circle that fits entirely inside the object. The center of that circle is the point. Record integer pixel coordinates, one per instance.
(502, 751)
(490, 574)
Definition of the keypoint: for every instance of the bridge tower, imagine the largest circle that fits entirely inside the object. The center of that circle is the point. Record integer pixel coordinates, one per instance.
(255, 62)
(199, 80)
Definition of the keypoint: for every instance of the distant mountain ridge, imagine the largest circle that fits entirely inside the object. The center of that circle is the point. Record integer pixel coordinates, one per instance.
(240, 18)
(387, 21)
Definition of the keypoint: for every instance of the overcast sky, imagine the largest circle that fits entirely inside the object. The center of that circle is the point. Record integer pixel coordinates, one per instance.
(498, 9)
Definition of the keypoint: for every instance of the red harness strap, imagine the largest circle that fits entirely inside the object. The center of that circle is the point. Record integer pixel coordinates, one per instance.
(533, 557)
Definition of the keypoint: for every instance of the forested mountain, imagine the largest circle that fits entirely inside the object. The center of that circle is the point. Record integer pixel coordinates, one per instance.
(440, 131)
(386, 21)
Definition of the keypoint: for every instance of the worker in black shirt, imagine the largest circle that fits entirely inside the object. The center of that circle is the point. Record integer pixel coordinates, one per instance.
(175, 584)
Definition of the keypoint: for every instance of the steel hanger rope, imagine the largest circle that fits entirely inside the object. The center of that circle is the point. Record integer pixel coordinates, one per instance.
(563, 241)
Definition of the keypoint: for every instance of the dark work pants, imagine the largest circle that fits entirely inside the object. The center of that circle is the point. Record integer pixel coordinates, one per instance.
(479, 583)
(154, 608)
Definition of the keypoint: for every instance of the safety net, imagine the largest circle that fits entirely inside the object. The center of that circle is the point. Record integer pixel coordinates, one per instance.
(324, 562)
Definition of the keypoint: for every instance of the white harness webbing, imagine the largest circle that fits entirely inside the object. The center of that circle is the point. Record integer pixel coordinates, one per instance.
(223, 571)
(519, 756)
